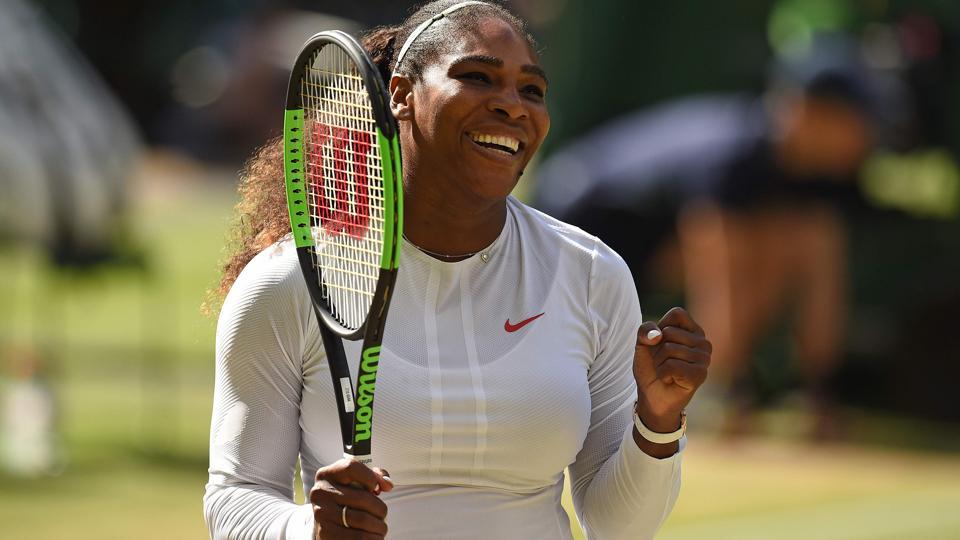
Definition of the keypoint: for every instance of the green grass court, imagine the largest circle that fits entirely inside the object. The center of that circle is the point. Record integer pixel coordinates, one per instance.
(130, 358)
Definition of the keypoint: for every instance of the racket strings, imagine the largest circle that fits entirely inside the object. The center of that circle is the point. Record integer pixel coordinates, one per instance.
(345, 178)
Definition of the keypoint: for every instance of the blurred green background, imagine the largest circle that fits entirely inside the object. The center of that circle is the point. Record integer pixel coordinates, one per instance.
(111, 330)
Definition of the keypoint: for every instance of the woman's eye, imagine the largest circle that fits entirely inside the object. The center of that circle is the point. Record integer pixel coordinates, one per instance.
(534, 91)
(475, 76)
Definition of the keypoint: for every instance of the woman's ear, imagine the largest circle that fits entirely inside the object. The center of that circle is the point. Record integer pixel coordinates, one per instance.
(401, 97)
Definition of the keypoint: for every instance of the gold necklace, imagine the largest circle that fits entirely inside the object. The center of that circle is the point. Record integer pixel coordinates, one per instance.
(441, 255)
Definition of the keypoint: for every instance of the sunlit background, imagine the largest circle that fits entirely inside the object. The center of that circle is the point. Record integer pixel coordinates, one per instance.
(833, 411)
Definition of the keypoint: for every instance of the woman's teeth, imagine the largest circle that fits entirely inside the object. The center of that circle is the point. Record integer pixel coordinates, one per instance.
(497, 142)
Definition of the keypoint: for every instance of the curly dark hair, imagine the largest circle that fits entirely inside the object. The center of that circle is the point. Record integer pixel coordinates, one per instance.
(261, 215)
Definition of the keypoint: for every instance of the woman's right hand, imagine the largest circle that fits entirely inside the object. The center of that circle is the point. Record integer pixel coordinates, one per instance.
(348, 490)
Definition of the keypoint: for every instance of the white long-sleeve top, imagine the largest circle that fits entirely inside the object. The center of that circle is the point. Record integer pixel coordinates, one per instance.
(476, 423)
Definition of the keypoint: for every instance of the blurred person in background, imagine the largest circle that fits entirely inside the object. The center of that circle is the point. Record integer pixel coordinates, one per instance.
(741, 196)
(29, 444)
(67, 152)
(67, 146)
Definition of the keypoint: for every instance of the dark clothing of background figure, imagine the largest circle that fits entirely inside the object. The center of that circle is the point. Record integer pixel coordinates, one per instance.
(626, 182)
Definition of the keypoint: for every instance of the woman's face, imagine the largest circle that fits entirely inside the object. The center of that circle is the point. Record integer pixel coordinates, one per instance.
(478, 114)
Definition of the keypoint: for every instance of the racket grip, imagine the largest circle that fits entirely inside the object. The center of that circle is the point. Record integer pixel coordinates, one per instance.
(366, 460)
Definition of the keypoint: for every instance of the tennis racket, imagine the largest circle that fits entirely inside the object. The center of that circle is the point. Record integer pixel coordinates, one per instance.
(344, 195)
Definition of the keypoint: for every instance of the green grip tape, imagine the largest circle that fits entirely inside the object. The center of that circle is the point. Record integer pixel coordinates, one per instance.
(294, 177)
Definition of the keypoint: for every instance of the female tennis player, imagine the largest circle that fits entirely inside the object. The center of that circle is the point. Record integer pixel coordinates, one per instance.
(514, 348)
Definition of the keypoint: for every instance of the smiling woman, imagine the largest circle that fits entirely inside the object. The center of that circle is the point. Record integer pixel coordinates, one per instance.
(472, 118)
(514, 348)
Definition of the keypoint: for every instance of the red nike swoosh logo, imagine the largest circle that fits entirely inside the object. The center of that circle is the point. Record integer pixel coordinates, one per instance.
(514, 327)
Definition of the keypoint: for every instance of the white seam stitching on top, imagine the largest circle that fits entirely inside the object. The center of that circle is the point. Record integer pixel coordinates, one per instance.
(433, 364)
(470, 344)
(558, 517)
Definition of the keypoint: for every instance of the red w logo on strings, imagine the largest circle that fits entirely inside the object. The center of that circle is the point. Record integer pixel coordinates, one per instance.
(337, 176)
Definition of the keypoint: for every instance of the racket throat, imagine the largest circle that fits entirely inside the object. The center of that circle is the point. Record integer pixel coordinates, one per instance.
(366, 387)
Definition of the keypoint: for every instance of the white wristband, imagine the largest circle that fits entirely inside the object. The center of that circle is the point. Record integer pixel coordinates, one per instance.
(660, 438)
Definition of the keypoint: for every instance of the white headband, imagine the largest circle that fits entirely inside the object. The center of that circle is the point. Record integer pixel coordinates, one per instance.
(426, 24)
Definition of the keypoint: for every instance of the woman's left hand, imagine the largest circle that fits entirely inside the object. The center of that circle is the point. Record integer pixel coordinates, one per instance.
(670, 363)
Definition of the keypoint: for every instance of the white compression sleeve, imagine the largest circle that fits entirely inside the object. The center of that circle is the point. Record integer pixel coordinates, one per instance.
(618, 491)
(255, 435)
